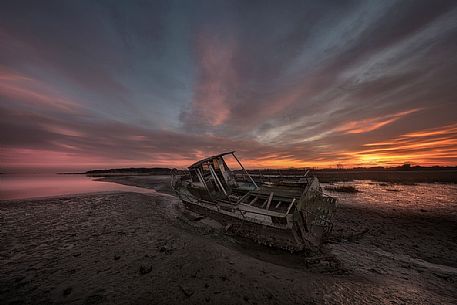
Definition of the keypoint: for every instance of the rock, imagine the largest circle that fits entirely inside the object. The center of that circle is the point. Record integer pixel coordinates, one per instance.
(116, 257)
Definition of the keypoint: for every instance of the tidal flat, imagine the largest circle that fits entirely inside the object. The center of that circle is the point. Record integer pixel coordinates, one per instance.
(132, 248)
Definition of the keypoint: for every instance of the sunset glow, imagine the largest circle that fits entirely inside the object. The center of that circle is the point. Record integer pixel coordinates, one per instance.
(166, 88)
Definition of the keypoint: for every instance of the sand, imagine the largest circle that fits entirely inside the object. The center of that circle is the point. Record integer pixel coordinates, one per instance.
(128, 248)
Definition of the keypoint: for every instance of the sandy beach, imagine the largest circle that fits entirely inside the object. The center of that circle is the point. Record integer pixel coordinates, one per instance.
(130, 248)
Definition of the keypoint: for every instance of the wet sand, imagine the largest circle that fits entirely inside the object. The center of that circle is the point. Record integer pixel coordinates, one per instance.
(128, 248)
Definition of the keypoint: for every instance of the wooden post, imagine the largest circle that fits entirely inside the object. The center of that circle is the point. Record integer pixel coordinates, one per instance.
(264, 203)
(245, 171)
(242, 198)
(269, 200)
(213, 172)
(290, 206)
(202, 180)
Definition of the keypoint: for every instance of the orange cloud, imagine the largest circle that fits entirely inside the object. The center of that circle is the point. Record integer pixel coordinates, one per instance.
(437, 146)
(371, 124)
(430, 147)
(445, 130)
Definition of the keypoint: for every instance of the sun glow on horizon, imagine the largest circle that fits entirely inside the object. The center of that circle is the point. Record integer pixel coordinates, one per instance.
(429, 147)
(277, 96)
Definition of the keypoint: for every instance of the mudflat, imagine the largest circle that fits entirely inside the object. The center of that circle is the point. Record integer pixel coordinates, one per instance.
(129, 248)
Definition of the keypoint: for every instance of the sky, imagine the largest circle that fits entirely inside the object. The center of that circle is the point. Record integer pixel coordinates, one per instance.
(103, 84)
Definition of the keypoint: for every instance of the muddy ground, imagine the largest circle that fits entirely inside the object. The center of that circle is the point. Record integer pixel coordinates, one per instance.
(128, 248)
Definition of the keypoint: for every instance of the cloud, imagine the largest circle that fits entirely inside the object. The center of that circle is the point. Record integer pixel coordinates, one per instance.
(367, 125)
(436, 146)
(445, 130)
(216, 78)
(15, 87)
(295, 83)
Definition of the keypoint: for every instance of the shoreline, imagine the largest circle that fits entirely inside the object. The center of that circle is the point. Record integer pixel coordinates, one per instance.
(118, 247)
(60, 197)
(388, 175)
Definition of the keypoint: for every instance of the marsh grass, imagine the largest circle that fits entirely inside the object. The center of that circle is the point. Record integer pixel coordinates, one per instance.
(342, 189)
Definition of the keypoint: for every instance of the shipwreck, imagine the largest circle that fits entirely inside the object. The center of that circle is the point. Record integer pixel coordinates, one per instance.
(283, 211)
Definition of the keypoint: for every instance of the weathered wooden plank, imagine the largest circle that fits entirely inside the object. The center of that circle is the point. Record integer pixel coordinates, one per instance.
(216, 178)
(253, 201)
(269, 200)
(264, 203)
(242, 198)
(239, 216)
(245, 171)
(302, 226)
(298, 240)
(290, 206)
(248, 208)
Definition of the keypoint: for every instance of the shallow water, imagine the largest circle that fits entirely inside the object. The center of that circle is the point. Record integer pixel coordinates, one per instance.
(19, 186)
(421, 196)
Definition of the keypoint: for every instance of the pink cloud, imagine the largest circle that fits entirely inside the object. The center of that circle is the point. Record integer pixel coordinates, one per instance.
(30, 91)
(216, 80)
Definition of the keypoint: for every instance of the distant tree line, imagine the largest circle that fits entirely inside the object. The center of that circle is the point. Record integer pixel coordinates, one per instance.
(167, 171)
(141, 170)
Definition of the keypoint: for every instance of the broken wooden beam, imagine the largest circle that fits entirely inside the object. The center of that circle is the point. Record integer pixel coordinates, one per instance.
(269, 200)
(290, 206)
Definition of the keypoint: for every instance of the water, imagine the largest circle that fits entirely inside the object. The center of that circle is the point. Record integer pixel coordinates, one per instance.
(15, 186)
(421, 196)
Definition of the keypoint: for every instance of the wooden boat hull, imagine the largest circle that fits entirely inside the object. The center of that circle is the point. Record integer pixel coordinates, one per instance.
(291, 214)
(287, 237)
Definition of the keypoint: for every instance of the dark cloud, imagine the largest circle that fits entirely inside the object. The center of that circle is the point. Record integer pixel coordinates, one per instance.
(165, 82)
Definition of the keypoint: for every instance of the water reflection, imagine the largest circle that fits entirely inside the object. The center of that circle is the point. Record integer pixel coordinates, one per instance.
(30, 186)
(421, 196)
